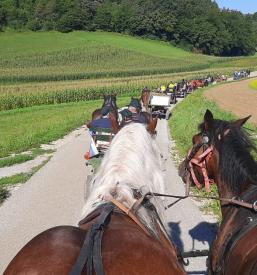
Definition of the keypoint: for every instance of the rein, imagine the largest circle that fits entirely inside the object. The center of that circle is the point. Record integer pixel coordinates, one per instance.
(234, 201)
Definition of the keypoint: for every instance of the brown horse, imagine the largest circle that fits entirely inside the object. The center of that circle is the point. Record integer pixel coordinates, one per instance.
(113, 119)
(109, 104)
(232, 167)
(110, 109)
(120, 234)
(145, 99)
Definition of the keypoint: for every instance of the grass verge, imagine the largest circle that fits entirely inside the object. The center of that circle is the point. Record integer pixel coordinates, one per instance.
(253, 84)
(21, 158)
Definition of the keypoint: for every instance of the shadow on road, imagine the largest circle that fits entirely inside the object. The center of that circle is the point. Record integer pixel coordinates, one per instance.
(175, 233)
(204, 232)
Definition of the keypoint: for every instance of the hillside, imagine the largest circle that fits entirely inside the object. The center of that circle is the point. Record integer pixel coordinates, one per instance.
(80, 55)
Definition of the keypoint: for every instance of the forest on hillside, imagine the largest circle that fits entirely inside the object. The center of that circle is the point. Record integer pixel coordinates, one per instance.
(199, 26)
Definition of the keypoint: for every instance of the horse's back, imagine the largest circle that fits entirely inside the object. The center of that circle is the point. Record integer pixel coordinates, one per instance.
(53, 251)
(127, 249)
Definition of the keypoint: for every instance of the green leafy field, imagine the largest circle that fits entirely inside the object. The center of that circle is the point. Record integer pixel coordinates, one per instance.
(23, 129)
(81, 55)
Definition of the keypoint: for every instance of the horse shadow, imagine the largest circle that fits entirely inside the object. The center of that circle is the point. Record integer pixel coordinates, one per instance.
(175, 233)
(203, 232)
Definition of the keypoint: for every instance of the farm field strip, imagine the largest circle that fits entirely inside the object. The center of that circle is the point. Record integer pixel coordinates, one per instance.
(30, 94)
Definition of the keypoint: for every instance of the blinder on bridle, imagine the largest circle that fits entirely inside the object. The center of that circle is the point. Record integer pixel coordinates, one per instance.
(200, 161)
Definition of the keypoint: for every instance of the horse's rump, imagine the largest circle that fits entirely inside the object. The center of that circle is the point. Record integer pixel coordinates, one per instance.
(126, 249)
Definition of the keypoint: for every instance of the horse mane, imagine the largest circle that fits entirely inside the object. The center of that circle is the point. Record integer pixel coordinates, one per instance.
(236, 162)
(131, 162)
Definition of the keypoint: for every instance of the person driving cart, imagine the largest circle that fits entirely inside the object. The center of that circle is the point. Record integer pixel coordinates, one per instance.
(133, 113)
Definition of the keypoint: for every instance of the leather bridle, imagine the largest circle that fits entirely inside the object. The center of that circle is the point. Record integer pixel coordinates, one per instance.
(200, 161)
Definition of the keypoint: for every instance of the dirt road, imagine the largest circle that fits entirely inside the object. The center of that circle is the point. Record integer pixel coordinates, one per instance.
(236, 97)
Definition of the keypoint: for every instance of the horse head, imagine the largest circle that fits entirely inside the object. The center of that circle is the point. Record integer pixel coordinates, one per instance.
(204, 158)
(145, 99)
(215, 152)
(110, 101)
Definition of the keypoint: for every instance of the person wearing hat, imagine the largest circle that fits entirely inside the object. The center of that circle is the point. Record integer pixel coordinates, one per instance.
(126, 117)
(132, 114)
(135, 105)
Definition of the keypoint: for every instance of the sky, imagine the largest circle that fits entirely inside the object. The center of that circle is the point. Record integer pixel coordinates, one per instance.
(245, 6)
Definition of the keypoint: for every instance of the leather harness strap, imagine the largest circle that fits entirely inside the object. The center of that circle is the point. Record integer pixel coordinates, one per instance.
(200, 161)
(130, 214)
(90, 252)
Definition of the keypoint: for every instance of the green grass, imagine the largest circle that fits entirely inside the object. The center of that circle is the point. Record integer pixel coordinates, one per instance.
(9, 161)
(12, 180)
(17, 159)
(23, 129)
(16, 179)
(50, 56)
(4, 194)
(38, 68)
(253, 84)
(209, 206)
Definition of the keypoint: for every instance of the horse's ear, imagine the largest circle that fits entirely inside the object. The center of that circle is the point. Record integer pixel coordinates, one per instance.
(208, 120)
(240, 122)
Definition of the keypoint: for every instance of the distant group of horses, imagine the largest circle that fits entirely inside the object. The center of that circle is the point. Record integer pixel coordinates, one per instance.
(122, 229)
